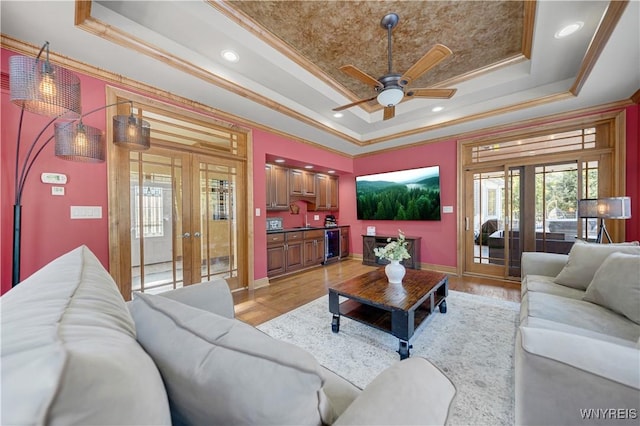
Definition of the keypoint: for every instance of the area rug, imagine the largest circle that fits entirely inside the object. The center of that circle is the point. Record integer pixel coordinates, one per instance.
(473, 343)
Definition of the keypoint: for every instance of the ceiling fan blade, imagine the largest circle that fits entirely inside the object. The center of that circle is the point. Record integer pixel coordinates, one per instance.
(432, 58)
(354, 72)
(361, 101)
(389, 112)
(432, 93)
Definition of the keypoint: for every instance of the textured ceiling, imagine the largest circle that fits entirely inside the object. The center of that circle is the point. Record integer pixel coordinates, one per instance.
(331, 34)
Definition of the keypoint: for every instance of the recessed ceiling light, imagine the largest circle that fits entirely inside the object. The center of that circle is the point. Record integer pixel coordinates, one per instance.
(279, 160)
(338, 115)
(308, 167)
(569, 29)
(331, 171)
(437, 109)
(230, 55)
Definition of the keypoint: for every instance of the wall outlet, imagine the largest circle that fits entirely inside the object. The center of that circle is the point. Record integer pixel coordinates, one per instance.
(257, 211)
(316, 217)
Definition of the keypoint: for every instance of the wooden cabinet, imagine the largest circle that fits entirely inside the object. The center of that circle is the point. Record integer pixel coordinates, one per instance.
(294, 251)
(369, 242)
(275, 254)
(277, 187)
(326, 192)
(302, 183)
(344, 242)
(313, 247)
(284, 252)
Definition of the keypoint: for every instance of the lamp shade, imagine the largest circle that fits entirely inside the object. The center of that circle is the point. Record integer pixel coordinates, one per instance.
(390, 96)
(131, 132)
(605, 208)
(79, 142)
(43, 88)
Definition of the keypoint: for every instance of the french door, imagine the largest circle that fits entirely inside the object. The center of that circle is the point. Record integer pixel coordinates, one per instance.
(525, 208)
(178, 211)
(185, 222)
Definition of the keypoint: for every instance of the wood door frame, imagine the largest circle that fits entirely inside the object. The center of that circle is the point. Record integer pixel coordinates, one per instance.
(615, 153)
(118, 178)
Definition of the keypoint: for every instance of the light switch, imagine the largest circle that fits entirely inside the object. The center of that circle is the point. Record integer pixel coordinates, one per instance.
(57, 190)
(316, 217)
(257, 211)
(86, 212)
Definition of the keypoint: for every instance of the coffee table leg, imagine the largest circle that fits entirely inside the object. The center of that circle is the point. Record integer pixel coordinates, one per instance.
(443, 307)
(335, 323)
(403, 350)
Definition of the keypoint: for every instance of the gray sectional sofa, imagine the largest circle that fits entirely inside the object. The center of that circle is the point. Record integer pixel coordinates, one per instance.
(74, 353)
(577, 353)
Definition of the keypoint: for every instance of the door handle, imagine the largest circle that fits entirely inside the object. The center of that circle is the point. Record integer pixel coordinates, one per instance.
(196, 234)
(466, 223)
(186, 235)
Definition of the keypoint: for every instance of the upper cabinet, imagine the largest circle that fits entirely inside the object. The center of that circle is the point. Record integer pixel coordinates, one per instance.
(285, 185)
(302, 183)
(277, 187)
(326, 192)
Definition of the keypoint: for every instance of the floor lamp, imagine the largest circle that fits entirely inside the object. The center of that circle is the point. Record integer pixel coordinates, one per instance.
(604, 208)
(38, 86)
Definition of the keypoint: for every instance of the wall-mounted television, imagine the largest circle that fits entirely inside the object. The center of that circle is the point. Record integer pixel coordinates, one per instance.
(412, 194)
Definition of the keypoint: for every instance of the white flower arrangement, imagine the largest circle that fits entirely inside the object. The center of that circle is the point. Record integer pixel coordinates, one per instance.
(394, 250)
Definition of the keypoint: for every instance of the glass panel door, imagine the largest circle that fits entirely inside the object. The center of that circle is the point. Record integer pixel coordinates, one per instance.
(485, 219)
(184, 216)
(156, 186)
(218, 220)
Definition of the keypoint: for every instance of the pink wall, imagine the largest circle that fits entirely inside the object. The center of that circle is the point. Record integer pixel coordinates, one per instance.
(438, 237)
(47, 229)
(49, 232)
(633, 174)
(264, 144)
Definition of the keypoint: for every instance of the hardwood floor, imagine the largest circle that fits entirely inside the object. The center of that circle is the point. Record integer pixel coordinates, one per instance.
(287, 293)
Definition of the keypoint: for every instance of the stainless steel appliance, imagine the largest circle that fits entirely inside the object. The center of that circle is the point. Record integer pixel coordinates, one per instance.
(331, 245)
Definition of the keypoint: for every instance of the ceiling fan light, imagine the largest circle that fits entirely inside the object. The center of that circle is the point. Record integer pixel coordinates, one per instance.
(390, 96)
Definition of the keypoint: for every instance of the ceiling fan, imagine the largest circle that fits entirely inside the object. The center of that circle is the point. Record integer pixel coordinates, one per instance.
(390, 88)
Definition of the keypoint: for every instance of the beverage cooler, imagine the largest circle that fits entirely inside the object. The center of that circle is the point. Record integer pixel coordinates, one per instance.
(331, 245)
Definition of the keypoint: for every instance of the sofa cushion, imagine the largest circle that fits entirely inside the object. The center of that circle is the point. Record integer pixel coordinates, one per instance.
(616, 285)
(577, 313)
(69, 354)
(585, 259)
(222, 371)
(543, 284)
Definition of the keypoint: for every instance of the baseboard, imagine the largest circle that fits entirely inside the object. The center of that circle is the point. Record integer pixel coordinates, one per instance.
(450, 270)
(259, 283)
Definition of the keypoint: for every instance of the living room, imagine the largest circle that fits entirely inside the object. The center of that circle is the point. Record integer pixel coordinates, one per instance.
(271, 131)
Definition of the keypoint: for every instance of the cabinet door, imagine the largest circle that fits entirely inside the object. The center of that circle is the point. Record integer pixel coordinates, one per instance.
(277, 187)
(319, 250)
(344, 242)
(368, 244)
(308, 184)
(294, 256)
(275, 260)
(309, 252)
(322, 192)
(296, 184)
(332, 198)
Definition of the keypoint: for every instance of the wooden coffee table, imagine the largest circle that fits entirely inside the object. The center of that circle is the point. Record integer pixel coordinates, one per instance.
(397, 309)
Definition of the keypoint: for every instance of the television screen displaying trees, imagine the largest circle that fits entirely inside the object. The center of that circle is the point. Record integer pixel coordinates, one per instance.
(403, 195)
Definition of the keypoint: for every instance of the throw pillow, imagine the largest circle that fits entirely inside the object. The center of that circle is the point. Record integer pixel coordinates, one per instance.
(626, 243)
(69, 353)
(222, 371)
(585, 259)
(616, 285)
